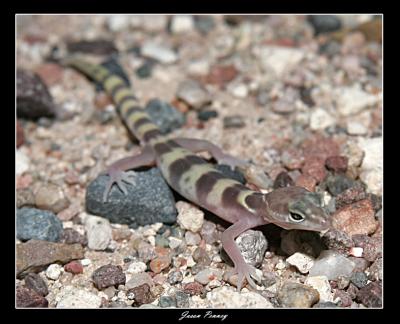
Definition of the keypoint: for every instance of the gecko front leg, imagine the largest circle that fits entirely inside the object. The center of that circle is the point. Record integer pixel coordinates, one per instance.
(117, 174)
(242, 269)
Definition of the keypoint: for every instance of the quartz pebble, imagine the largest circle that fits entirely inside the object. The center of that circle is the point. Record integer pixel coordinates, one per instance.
(228, 297)
(332, 265)
(321, 284)
(189, 216)
(301, 261)
(136, 267)
(295, 295)
(252, 245)
(195, 95)
(159, 52)
(22, 162)
(53, 272)
(98, 231)
(71, 297)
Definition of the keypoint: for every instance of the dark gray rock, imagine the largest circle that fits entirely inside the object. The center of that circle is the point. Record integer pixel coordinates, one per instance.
(33, 98)
(166, 117)
(148, 201)
(144, 71)
(338, 183)
(325, 305)
(36, 283)
(167, 301)
(205, 115)
(27, 298)
(204, 24)
(97, 47)
(38, 224)
(359, 279)
(108, 275)
(182, 299)
(324, 23)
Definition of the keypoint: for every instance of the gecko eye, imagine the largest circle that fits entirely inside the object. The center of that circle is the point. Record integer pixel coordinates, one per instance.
(297, 218)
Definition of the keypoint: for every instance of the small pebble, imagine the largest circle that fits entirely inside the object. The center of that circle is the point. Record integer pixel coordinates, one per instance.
(74, 267)
(53, 272)
(338, 183)
(175, 277)
(189, 217)
(283, 180)
(194, 94)
(165, 116)
(38, 224)
(181, 24)
(28, 298)
(160, 263)
(357, 218)
(252, 245)
(108, 275)
(139, 279)
(321, 284)
(296, 295)
(193, 288)
(145, 70)
(375, 271)
(136, 267)
(167, 301)
(158, 52)
(321, 119)
(337, 163)
(228, 297)
(207, 275)
(97, 47)
(372, 246)
(51, 197)
(301, 261)
(234, 122)
(222, 74)
(209, 232)
(182, 299)
(205, 115)
(142, 295)
(192, 238)
(332, 265)
(98, 231)
(371, 295)
(78, 298)
(324, 23)
(359, 279)
(33, 97)
(343, 282)
(35, 282)
(37, 255)
(71, 236)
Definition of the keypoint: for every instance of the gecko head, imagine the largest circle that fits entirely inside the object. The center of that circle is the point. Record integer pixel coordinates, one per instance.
(296, 208)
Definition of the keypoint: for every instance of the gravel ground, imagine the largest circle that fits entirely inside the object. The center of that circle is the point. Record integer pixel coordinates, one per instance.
(299, 96)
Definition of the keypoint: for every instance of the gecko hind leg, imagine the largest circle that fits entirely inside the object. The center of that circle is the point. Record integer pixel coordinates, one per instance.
(117, 174)
(197, 145)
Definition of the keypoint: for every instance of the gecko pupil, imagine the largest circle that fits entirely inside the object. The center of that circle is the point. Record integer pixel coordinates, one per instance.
(296, 217)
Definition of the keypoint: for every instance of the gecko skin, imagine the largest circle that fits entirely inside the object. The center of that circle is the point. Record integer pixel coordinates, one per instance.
(199, 181)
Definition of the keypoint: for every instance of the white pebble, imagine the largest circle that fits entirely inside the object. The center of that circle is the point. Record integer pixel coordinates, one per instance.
(78, 298)
(86, 262)
(356, 128)
(239, 90)
(136, 267)
(228, 297)
(182, 24)
(356, 252)
(21, 163)
(53, 271)
(174, 242)
(352, 100)
(301, 261)
(189, 217)
(159, 52)
(321, 284)
(321, 119)
(99, 233)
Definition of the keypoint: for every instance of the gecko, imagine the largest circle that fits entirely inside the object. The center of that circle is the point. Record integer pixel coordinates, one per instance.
(200, 181)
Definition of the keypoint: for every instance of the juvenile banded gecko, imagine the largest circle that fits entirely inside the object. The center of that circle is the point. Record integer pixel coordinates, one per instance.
(199, 181)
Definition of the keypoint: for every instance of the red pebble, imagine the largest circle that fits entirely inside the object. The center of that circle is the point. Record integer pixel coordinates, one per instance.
(337, 163)
(74, 267)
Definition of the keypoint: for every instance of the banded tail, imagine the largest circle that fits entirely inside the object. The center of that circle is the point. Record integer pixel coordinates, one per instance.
(135, 117)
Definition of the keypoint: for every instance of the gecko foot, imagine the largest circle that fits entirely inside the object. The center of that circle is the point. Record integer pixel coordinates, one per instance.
(118, 177)
(245, 271)
(232, 161)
